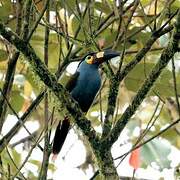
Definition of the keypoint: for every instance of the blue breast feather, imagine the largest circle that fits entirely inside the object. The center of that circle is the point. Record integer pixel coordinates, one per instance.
(87, 85)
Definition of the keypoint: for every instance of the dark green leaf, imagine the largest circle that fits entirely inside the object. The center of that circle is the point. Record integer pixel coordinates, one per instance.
(5, 9)
(163, 86)
(3, 55)
(16, 100)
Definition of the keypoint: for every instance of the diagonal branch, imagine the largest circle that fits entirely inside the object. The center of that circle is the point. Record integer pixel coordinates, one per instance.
(8, 84)
(166, 56)
(38, 20)
(114, 83)
(142, 52)
(10, 68)
(116, 80)
(6, 139)
(50, 81)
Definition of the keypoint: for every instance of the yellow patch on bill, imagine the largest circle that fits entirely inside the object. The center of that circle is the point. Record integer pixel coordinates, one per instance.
(100, 54)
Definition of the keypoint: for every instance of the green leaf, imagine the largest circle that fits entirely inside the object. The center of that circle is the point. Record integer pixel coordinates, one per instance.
(16, 156)
(156, 151)
(3, 55)
(34, 81)
(53, 51)
(163, 85)
(52, 167)
(37, 43)
(31, 175)
(16, 100)
(175, 5)
(102, 7)
(5, 9)
(7, 161)
(70, 5)
(35, 162)
(168, 136)
(145, 2)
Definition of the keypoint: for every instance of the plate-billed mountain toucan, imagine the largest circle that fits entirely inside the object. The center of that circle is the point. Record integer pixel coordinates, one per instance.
(83, 87)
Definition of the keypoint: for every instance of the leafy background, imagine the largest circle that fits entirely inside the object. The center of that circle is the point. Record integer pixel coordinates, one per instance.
(26, 86)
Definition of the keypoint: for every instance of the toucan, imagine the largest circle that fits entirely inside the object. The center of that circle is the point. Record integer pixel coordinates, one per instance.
(83, 87)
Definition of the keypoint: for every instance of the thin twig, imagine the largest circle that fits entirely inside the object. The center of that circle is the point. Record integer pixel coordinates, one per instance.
(147, 129)
(175, 86)
(14, 163)
(142, 144)
(46, 152)
(120, 35)
(23, 140)
(38, 20)
(166, 56)
(6, 139)
(16, 115)
(29, 154)
(11, 67)
(150, 139)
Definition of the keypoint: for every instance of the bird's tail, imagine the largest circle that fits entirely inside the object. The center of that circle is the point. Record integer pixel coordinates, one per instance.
(60, 135)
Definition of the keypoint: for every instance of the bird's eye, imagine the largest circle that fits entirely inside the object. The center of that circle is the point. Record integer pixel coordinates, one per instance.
(89, 59)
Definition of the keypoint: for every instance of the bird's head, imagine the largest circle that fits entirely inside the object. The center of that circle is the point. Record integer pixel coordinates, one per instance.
(100, 57)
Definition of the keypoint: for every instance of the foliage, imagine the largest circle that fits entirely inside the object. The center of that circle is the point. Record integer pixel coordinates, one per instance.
(78, 27)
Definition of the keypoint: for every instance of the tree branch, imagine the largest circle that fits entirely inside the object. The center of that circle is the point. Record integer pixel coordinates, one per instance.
(166, 56)
(116, 80)
(150, 139)
(38, 20)
(47, 131)
(6, 139)
(11, 68)
(50, 81)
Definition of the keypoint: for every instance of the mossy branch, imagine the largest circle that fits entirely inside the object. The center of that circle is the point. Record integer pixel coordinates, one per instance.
(119, 76)
(166, 56)
(51, 82)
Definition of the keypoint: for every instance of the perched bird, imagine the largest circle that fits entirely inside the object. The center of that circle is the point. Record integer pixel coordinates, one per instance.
(83, 87)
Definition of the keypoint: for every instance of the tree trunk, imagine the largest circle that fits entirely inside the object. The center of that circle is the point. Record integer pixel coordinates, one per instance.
(106, 166)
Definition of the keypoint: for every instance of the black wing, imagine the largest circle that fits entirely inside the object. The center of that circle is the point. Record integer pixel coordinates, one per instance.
(60, 135)
(72, 81)
(63, 128)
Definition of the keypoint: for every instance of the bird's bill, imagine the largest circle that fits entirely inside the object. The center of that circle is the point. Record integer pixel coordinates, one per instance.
(105, 55)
